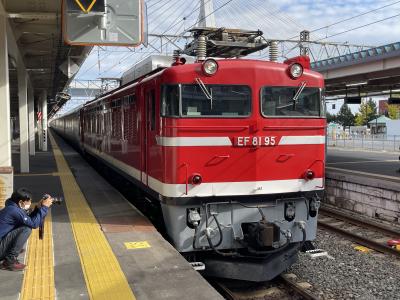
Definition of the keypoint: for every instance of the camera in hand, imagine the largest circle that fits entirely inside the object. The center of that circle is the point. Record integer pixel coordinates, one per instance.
(56, 200)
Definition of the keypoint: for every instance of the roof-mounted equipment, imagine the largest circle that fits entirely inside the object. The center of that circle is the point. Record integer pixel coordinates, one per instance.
(224, 43)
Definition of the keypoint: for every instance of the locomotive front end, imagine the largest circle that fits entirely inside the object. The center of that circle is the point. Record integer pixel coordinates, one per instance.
(244, 154)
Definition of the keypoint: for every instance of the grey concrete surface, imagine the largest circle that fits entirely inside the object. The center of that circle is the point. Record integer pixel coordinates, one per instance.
(158, 272)
(386, 164)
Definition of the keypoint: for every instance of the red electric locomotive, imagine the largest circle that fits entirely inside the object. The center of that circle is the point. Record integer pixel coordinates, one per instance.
(233, 150)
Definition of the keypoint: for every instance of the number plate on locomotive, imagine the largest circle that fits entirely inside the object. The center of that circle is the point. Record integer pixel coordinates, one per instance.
(254, 141)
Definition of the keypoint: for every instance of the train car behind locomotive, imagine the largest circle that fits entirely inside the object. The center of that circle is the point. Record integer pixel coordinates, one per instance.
(233, 151)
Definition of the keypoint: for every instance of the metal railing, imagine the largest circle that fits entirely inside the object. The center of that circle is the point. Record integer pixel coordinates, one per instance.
(369, 142)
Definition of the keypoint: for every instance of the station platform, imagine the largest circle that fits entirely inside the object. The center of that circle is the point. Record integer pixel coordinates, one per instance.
(96, 245)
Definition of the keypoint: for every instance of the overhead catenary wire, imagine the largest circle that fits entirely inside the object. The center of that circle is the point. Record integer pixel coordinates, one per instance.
(362, 26)
(356, 16)
(184, 32)
(275, 22)
(128, 55)
(123, 58)
(174, 23)
(153, 4)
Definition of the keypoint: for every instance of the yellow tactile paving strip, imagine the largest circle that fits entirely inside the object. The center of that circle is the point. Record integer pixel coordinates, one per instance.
(102, 272)
(38, 280)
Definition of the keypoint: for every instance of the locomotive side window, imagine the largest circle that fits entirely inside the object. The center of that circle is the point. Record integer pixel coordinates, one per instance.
(152, 111)
(170, 101)
(281, 102)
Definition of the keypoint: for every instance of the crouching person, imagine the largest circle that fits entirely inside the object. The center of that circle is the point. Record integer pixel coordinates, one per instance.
(16, 224)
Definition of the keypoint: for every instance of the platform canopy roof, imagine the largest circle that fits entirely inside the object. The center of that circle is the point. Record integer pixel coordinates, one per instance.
(35, 28)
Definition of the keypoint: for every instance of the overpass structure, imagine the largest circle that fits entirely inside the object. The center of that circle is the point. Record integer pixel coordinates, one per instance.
(36, 67)
(375, 71)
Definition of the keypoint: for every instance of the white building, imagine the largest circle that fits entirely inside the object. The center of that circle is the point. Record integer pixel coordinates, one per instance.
(393, 128)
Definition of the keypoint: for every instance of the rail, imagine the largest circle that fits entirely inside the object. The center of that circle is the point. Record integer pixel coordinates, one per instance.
(357, 221)
(304, 293)
(283, 283)
(364, 241)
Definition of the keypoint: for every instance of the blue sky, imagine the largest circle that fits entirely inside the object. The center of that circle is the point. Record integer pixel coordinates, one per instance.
(277, 19)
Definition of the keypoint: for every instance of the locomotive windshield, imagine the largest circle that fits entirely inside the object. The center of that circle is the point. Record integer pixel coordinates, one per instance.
(281, 101)
(189, 100)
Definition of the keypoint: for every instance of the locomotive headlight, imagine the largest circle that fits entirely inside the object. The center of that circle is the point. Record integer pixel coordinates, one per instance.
(210, 67)
(295, 70)
(196, 179)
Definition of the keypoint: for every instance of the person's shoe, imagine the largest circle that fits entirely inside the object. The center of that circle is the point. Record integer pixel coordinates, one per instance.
(13, 265)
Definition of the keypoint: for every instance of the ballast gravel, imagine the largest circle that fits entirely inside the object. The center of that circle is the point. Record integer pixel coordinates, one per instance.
(351, 274)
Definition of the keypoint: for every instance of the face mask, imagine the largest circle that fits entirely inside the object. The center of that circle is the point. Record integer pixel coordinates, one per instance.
(26, 207)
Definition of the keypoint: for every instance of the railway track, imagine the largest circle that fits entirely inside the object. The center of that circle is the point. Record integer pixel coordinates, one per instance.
(297, 288)
(282, 288)
(366, 233)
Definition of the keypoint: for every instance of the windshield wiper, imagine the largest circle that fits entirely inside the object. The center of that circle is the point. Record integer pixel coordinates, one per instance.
(205, 91)
(299, 91)
(295, 97)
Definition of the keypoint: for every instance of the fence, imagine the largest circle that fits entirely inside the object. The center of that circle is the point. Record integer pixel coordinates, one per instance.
(369, 142)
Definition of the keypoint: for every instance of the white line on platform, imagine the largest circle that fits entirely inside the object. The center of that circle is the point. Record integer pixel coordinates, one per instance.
(361, 161)
(363, 173)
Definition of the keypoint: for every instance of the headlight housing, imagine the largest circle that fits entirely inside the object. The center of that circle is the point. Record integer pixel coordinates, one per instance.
(210, 67)
(295, 70)
(196, 179)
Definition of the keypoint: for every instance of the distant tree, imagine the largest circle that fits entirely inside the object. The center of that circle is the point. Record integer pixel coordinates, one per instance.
(366, 112)
(373, 108)
(331, 117)
(345, 117)
(358, 120)
(393, 111)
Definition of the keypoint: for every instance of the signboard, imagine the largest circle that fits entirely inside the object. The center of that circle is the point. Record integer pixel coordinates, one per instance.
(394, 100)
(103, 22)
(86, 6)
(352, 100)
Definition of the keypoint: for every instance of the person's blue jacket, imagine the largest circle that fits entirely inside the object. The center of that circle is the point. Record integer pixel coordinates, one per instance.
(12, 216)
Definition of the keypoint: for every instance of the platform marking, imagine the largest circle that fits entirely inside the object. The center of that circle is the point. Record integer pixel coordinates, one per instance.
(103, 275)
(137, 245)
(361, 161)
(363, 173)
(38, 280)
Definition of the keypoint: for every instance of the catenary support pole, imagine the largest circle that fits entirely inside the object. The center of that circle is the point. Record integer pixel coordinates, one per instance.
(44, 119)
(6, 170)
(39, 123)
(31, 125)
